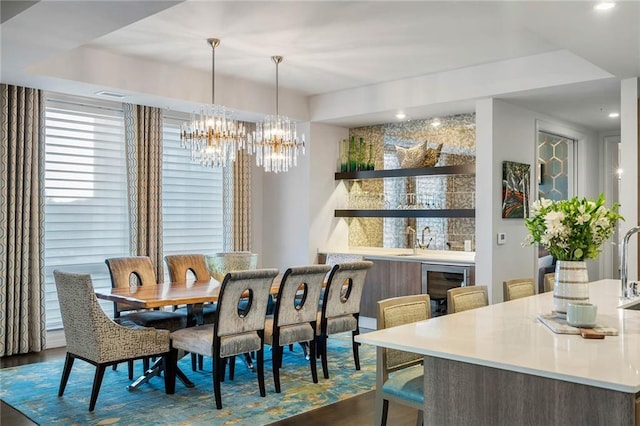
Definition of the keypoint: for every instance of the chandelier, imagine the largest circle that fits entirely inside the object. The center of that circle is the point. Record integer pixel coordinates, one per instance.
(275, 142)
(214, 136)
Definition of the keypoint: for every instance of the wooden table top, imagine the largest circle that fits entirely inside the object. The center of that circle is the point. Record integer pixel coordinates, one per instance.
(156, 296)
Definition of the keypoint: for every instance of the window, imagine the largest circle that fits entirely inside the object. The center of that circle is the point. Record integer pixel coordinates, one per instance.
(191, 199)
(86, 216)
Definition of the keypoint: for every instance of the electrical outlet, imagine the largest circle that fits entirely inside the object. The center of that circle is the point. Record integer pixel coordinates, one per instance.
(502, 238)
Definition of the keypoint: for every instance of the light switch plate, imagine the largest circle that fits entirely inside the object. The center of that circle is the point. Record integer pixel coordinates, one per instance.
(502, 238)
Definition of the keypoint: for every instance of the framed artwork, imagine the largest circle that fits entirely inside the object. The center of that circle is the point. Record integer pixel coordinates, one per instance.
(515, 190)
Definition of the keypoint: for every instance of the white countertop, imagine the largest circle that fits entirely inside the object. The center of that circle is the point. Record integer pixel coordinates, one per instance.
(447, 257)
(508, 336)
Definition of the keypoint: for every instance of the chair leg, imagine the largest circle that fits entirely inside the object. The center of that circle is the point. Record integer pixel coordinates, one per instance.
(193, 362)
(232, 366)
(312, 361)
(276, 363)
(130, 369)
(200, 361)
(145, 364)
(260, 361)
(356, 353)
(325, 364)
(420, 420)
(382, 410)
(68, 363)
(219, 367)
(97, 382)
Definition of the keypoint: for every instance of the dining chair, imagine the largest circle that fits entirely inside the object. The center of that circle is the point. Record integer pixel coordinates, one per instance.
(517, 288)
(464, 298)
(400, 374)
(236, 330)
(131, 271)
(95, 338)
(180, 267)
(341, 307)
(295, 315)
(549, 281)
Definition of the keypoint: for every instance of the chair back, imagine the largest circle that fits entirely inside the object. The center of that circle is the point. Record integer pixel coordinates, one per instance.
(180, 264)
(231, 317)
(517, 288)
(82, 316)
(127, 272)
(343, 291)
(299, 294)
(398, 311)
(549, 281)
(464, 298)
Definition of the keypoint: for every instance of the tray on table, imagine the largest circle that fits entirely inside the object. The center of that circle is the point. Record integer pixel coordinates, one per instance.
(559, 325)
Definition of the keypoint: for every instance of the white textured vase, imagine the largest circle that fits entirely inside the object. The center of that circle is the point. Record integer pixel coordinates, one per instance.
(571, 284)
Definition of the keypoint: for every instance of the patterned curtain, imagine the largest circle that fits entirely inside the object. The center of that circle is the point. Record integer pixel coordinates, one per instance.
(143, 134)
(22, 301)
(237, 204)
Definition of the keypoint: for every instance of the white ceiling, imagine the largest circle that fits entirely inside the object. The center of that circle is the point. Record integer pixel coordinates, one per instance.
(334, 46)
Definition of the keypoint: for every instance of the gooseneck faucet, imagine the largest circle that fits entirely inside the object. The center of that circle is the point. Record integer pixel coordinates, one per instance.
(626, 291)
(422, 244)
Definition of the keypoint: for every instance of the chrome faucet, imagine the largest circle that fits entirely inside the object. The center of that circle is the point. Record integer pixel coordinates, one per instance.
(627, 291)
(414, 238)
(422, 244)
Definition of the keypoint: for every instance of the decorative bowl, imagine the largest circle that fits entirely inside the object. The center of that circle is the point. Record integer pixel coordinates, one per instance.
(221, 263)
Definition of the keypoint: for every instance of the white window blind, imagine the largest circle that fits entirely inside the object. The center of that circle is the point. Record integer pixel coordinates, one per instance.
(191, 199)
(86, 217)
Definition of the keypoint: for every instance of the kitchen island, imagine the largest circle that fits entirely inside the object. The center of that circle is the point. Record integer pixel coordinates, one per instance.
(500, 365)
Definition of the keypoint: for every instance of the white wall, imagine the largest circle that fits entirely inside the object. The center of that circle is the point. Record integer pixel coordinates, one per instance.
(629, 125)
(285, 212)
(327, 194)
(505, 132)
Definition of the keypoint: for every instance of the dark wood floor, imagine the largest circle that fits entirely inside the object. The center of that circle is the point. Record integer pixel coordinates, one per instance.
(358, 410)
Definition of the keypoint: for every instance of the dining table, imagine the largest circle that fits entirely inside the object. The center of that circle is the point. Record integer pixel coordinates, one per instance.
(193, 294)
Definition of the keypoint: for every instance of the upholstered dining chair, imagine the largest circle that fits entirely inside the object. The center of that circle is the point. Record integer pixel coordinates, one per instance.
(180, 266)
(295, 315)
(549, 281)
(93, 337)
(341, 307)
(400, 374)
(138, 270)
(464, 298)
(237, 328)
(517, 288)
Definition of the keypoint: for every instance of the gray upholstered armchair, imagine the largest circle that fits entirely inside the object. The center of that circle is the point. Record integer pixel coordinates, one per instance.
(294, 317)
(238, 327)
(341, 307)
(93, 337)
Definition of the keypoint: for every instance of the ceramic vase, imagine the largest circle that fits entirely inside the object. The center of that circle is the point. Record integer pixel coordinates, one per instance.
(571, 284)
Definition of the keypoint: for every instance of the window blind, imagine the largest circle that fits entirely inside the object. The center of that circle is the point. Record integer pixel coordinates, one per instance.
(86, 217)
(191, 199)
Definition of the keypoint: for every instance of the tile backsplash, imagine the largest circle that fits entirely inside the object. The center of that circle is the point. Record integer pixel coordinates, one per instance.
(457, 135)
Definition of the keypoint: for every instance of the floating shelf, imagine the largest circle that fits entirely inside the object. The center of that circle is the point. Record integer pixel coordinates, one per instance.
(468, 169)
(405, 213)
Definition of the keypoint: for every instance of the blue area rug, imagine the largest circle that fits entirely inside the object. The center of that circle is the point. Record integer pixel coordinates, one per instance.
(33, 389)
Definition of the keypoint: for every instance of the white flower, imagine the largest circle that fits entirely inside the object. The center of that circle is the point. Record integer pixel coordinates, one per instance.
(583, 218)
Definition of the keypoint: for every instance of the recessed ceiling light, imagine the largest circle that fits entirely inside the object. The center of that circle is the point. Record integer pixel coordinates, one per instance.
(112, 95)
(614, 114)
(401, 116)
(436, 123)
(604, 5)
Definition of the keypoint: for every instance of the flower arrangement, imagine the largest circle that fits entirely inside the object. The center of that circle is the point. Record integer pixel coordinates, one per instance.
(573, 229)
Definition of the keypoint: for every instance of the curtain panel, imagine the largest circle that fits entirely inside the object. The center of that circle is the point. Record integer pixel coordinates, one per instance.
(237, 204)
(143, 134)
(22, 296)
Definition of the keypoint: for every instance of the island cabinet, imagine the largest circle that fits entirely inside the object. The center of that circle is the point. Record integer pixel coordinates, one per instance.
(388, 278)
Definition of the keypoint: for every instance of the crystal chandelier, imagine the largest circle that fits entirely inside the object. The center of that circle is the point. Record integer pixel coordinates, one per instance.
(214, 136)
(275, 142)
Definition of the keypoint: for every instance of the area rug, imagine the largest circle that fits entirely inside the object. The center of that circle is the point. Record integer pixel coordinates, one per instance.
(32, 389)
